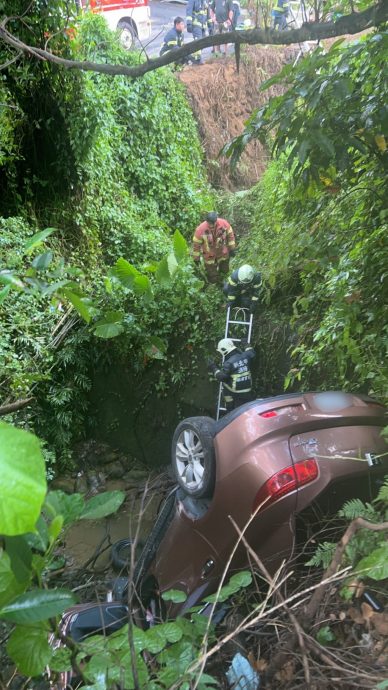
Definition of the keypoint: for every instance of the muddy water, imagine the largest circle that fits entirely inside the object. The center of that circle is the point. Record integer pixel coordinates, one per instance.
(89, 539)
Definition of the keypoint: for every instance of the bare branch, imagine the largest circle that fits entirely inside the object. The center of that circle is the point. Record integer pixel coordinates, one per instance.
(9, 62)
(13, 407)
(313, 31)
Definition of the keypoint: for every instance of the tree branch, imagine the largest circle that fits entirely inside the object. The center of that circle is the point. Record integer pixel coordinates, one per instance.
(13, 407)
(312, 31)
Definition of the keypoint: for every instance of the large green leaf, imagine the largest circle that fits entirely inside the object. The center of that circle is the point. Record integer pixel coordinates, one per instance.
(29, 649)
(37, 239)
(37, 605)
(43, 261)
(110, 325)
(375, 565)
(171, 630)
(20, 554)
(78, 304)
(105, 330)
(10, 279)
(180, 246)
(7, 575)
(142, 285)
(102, 505)
(4, 292)
(125, 272)
(172, 264)
(162, 272)
(23, 480)
(236, 582)
(119, 640)
(174, 595)
(39, 539)
(69, 506)
(156, 639)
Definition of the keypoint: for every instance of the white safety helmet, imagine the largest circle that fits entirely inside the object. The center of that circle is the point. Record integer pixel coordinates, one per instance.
(225, 346)
(245, 273)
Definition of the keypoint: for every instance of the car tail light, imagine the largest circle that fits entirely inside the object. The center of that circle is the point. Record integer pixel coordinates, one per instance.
(288, 409)
(285, 481)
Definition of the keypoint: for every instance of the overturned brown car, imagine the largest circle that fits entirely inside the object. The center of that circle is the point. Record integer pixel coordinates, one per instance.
(256, 469)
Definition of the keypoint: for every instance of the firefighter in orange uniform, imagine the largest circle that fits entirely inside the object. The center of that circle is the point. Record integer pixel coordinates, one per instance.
(214, 239)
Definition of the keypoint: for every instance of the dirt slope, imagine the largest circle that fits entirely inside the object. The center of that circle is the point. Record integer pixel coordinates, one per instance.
(222, 100)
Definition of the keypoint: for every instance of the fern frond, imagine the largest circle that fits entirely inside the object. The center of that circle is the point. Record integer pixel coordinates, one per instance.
(323, 555)
(355, 508)
(382, 496)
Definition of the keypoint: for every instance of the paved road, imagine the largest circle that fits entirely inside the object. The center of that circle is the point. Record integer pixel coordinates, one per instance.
(162, 15)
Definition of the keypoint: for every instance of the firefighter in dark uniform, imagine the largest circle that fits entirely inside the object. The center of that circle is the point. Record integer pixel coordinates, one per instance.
(280, 13)
(234, 373)
(243, 288)
(198, 20)
(173, 38)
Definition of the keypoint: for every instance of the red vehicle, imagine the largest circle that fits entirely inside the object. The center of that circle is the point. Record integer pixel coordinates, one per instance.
(130, 17)
(265, 463)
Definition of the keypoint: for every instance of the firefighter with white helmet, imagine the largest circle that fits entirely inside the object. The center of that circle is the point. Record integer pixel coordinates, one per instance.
(243, 287)
(234, 372)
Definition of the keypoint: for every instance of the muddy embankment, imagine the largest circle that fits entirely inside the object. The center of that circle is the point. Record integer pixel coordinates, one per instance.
(223, 99)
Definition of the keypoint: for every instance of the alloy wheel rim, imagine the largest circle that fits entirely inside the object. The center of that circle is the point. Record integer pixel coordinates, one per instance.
(190, 459)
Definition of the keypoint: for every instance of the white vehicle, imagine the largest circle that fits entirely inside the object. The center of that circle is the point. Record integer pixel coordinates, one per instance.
(130, 17)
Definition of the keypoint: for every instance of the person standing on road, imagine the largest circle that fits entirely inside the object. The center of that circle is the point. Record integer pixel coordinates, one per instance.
(173, 38)
(214, 239)
(222, 14)
(197, 22)
(280, 14)
(243, 288)
(234, 373)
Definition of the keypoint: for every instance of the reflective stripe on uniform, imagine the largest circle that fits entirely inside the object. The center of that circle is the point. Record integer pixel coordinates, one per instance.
(230, 236)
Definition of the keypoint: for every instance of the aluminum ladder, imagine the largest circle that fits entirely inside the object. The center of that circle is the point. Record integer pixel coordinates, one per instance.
(245, 324)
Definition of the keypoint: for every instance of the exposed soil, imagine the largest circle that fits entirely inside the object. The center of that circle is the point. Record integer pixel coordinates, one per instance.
(222, 100)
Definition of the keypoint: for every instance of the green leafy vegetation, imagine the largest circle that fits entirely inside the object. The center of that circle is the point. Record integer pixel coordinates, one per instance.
(33, 608)
(366, 551)
(318, 218)
(93, 243)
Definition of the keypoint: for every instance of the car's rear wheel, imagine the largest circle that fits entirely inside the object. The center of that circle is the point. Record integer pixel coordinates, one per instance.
(127, 35)
(193, 458)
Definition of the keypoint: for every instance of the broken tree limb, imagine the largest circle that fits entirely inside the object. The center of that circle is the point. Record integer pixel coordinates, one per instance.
(312, 31)
(13, 407)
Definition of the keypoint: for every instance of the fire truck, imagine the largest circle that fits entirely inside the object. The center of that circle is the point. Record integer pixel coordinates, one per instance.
(130, 17)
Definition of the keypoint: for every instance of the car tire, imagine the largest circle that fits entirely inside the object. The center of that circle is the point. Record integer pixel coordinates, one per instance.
(121, 554)
(127, 35)
(193, 457)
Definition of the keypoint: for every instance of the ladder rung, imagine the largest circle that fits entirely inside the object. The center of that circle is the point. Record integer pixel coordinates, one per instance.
(243, 323)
